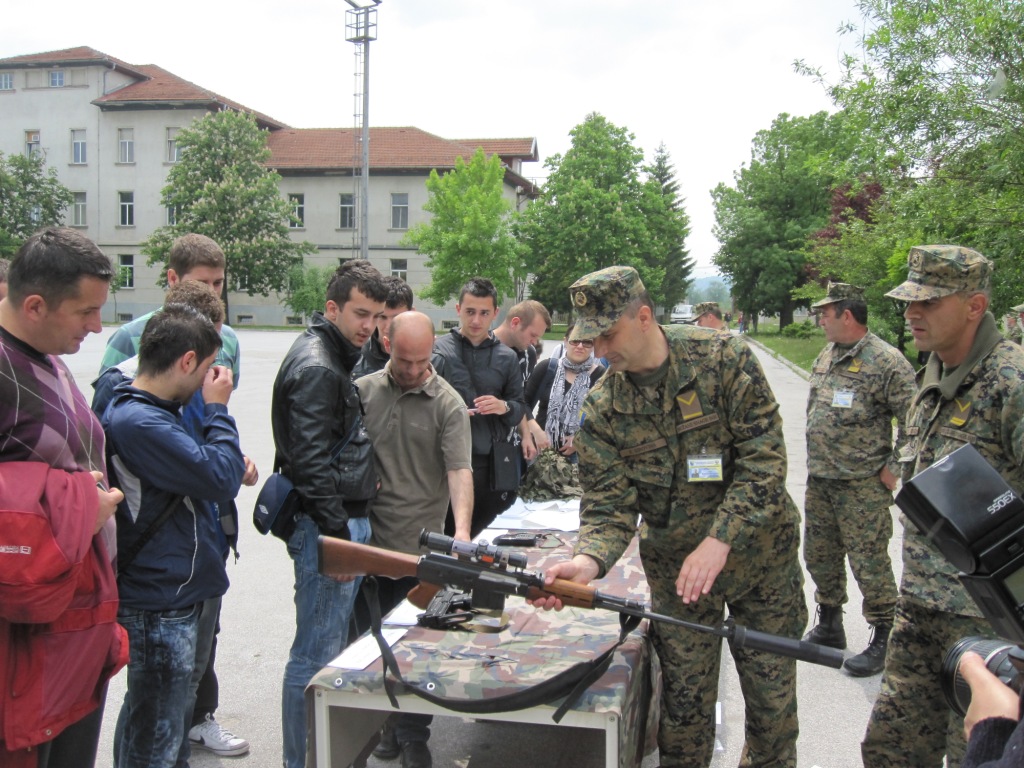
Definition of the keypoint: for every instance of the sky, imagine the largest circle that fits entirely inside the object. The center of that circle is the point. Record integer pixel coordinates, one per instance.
(699, 76)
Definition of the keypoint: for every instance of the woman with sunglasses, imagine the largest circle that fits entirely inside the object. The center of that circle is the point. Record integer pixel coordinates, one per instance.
(560, 385)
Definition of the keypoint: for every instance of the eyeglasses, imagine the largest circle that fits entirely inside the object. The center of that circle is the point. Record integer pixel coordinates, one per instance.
(588, 343)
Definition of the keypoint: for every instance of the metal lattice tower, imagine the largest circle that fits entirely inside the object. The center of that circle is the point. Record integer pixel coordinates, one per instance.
(361, 28)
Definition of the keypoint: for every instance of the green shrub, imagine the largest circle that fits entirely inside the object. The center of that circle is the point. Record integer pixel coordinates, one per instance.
(804, 330)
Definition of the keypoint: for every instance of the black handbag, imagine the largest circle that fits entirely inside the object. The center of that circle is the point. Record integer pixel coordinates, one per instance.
(506, 468)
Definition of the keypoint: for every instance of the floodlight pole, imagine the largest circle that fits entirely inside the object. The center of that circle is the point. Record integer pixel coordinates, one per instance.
(361, 23)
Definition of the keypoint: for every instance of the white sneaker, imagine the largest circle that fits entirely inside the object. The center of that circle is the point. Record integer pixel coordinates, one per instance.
(210, 735)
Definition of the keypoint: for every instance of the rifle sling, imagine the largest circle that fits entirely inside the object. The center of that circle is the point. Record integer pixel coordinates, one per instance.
(570, 683)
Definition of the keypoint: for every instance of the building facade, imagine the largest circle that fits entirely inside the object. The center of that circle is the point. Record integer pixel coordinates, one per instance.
(109, 129)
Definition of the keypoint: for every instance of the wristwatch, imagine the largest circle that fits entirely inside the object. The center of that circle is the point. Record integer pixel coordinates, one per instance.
(508, 406)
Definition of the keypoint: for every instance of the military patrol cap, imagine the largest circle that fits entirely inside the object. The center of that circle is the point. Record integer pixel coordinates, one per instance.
(703, 308)
(600, 299)
(942, 270)
(840, 292)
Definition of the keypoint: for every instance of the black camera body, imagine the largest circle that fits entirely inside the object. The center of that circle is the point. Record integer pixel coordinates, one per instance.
(976, 520)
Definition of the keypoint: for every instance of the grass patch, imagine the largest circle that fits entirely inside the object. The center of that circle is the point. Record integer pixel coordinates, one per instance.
(799, 351)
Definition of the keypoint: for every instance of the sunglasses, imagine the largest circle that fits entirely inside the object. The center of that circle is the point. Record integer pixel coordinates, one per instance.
(588, 343)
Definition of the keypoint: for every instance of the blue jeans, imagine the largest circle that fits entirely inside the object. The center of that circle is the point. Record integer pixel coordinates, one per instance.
(323, 608)
(162, 652)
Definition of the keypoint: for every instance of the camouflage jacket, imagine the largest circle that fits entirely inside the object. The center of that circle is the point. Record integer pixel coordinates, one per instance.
(855, 394)
(714, 402)
(980, 402)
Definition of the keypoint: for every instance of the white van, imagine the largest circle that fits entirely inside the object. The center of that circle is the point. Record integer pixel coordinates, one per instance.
(682, 313)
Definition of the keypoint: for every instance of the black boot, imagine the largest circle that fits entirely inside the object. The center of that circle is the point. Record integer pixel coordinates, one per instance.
(871, 660)
(829, 629)
(388, 748)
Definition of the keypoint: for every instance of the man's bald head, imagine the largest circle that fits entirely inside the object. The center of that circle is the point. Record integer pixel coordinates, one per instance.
(412, 344)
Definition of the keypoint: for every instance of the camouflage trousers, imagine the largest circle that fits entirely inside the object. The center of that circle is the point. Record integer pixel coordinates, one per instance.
(911, 725)
(767, 596)
(850, 518)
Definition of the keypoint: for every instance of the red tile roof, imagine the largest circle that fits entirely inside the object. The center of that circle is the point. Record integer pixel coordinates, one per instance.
(524, 149)
(80, 56)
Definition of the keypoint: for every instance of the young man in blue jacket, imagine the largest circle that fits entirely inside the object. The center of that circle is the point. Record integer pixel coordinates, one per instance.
(169, 558)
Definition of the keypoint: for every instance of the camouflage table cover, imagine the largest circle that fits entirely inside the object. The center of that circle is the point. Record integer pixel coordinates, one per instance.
(535, 646)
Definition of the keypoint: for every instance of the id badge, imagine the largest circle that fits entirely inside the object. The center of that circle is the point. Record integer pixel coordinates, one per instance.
(842, 398)
(705, 468)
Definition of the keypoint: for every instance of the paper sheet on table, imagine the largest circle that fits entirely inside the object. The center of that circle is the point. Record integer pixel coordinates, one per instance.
(365, 651)
(554, 515)
(404, 615)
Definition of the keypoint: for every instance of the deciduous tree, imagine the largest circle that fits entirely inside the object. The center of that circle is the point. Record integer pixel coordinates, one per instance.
(31, 197)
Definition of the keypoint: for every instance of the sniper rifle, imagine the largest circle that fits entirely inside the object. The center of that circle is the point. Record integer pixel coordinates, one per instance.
(491, 573)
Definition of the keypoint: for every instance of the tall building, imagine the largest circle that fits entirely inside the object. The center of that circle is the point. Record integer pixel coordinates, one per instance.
(109, 129)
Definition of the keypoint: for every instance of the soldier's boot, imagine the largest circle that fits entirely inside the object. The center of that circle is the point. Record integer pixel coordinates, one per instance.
(829, 629)
(388, 749)
(871, 660)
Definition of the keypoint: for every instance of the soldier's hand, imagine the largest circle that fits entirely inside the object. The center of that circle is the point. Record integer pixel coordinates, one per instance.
(582, 569)
(701, 568)
(990, 696)
(888, 479)
(109, 499)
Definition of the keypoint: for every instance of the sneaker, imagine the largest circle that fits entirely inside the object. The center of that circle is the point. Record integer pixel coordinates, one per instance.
(210, 735)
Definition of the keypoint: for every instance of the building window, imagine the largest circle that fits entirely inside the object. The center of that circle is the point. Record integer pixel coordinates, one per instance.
(126, 145)
(126, 203)
(31, 142)
(125, 317)
(57, 79)
(399, 210)
(347, 206)
(78, 147)
(78, 210)
(6, 81)
(298, 202)
(173, 212)
(126, 270)
(173, 150)
(400, 268)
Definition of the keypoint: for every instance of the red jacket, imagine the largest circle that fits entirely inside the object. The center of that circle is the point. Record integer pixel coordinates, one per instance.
(59, 638)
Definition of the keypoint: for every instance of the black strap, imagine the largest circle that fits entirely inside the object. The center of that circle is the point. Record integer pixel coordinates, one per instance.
(125, 558)
(336, 452)
(570, 683)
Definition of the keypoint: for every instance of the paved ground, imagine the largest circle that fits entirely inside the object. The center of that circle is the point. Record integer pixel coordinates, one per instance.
(258, 624)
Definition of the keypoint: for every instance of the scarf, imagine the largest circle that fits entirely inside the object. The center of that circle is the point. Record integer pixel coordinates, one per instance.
(564, 407)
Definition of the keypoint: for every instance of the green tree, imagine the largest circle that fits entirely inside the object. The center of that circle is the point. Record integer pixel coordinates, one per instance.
(670, 226)
(222, 188)
(307, 290)
(941, 88)
(764, 221)
(470, 230)
(31, 198)
(595, 211)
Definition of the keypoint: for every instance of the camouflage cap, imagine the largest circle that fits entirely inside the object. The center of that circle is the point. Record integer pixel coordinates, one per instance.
(600, 298)
(942, 270)
(703, 308)
(840, 292)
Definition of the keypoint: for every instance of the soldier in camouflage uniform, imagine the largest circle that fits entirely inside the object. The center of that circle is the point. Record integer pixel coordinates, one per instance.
(971, 391)
(707, 314)
(859, 384)
(685, 432)
(1015, 329)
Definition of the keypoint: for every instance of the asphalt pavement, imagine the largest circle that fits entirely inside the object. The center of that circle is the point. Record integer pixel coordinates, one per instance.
(258, 622)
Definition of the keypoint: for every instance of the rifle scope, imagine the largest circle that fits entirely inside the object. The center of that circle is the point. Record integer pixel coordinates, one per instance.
(482, 551)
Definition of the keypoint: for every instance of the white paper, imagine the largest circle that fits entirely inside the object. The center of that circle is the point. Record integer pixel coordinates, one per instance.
(365, 651)
(404, 615)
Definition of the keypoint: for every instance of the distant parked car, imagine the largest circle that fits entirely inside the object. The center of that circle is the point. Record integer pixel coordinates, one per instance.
(682, 313)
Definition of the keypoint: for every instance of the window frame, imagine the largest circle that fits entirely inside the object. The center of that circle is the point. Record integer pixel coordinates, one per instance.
(79, 147)
(6, 81)
(126, 146)
(126, 209)
(344, 208)
(298, 203)
(126, 271)
(400, 269)
(55, 78)
(33, 142)
(173, 150)
(80, 210)
(399, 209)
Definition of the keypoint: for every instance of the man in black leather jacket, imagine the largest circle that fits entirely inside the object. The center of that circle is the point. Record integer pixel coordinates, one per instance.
(375, 352)
(486, 373)
(322, 446)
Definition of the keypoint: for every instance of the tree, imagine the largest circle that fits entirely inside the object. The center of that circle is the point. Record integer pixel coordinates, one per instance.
(670, 226)
(942, 88)
(764, 221)
(31, 198)
(222, 189)
(307, 290)
(596, 211)
(469, 233)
